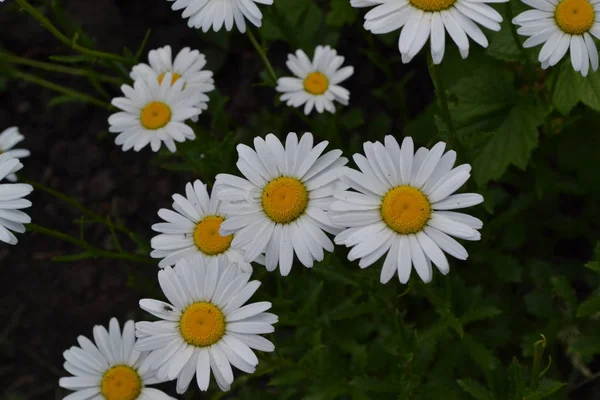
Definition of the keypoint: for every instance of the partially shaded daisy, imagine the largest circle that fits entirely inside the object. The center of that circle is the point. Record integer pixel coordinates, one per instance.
(562, 25)
(8, 139)
(110, 368)
(193, 230)
(154, 113)
(206, 325)
(317, 81)
(220, 13)
(187, 66)
(280, 208)
(431, 19)
(399, 208)
(12, 201)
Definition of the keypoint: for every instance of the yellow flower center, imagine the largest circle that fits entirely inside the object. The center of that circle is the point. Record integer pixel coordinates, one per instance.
(155, 115)
(316, 83)
(405, 210)
(574, 17)
(202, 324)
(284, 199)
(175, 78)
(207, 237)
(432, 5)
(121, 382)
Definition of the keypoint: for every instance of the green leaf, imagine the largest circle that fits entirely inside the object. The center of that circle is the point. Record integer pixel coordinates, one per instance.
(515, 380)
(341, 13)
(513, 141)
(589, 307)
(564, 290)
(70, 59)
(475, 389)
(482, 356)
(59, 100)
(479, 313)
(572, 88)
(546, 388)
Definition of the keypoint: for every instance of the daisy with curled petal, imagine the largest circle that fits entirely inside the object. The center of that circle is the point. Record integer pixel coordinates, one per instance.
(280, 208)
(399, 207)
(431, 19)
(187, 66)
(317, 81)
(193, 230)
(220, 13)
(562, 25)
(8, 139)
(12, 201)
(206, 325)
(154, 113)
(110, 368)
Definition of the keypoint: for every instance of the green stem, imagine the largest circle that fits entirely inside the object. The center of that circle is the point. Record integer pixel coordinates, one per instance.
(440, 92)
(96, 252)
(58, 68)
(58, 88)
(515, 35)
(31, 10)
(538, 349)
(262, 54)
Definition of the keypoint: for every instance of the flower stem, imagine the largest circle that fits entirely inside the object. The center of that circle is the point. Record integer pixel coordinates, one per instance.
(93, 251)
(31, 10)
(440, 92)
(58, 88)
(538, 349)
(58, 68)
(263, 56)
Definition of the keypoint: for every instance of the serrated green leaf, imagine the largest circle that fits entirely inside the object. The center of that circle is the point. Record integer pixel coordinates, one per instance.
(515, 380)
(565, 98)
(546, 388)
(478, 313)
(589, 307)
(475, 389)
(563, 289)
(482, 356)
(513, 141)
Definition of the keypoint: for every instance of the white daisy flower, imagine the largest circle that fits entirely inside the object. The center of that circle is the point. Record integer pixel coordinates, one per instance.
(204, 327)
(218, 13)
(12, 200)
(317, 81)
(110, 368)
(562, 25)
(154, 112)
(280, 208)
(399, 208)
(8, 139)
(193, 230)
(187, 65)
(423, 19)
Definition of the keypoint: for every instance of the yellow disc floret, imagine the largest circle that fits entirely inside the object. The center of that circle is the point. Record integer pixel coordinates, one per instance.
(574, 17)
(316, 83)
(121, 382)
(155, 115)
(207, 237)
(202, 324)
(405, 210)
(284, 199)
(432, 5)
(174, 79)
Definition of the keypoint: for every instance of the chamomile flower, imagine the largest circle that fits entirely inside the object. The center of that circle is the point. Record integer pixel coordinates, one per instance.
(280, 208)
(205, 327)
(8, 139)
(317, 82)
(154, 113)
(188, 66)
(193, 230)
(562, 25)
(220, 13)
(110, 368)
(399, 207)
(431, 19)
(12, 200)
